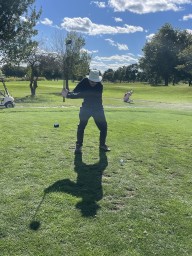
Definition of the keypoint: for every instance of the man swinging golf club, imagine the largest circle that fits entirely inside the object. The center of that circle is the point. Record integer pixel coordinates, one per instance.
(90, 89)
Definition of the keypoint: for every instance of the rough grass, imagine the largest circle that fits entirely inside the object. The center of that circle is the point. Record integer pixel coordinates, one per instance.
(134, 200)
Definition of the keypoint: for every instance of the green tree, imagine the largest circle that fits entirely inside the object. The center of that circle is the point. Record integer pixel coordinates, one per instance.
(185, 65)
(131, 73)
(49, 66)
(18, 19)
(120, 74)
(34, 68)
(74, 62)
(161, 53)
(15, 71)
(1, 74)
(109, 75)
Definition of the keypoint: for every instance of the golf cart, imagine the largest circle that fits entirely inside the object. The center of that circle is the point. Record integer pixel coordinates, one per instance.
(5, 98)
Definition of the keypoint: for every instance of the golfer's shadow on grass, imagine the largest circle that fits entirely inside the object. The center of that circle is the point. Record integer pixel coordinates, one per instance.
(88, 185)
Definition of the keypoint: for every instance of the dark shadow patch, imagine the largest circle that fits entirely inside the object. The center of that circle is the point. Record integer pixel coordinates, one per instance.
(88, 185)
(35, 225)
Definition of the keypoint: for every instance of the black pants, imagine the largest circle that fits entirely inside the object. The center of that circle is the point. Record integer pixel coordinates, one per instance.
(100, 120)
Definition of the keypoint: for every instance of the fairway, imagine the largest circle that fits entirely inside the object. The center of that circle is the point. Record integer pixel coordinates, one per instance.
(133, 201)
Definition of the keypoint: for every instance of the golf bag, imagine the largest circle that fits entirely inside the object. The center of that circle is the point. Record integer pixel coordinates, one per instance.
(127, 96)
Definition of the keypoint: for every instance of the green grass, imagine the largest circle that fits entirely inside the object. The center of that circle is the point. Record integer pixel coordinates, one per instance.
(48, 94)
(53, 204)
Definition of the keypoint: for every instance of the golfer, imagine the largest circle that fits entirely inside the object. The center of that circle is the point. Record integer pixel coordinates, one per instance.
(90, 89)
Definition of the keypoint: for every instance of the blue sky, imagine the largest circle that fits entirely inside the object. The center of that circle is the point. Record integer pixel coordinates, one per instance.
(115, 31)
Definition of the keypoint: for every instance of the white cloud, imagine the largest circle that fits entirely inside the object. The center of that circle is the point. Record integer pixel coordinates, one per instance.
(47, 22)
(99, 4)
(22, 18)
(189, 31)
(147, 6)
(86, 26)
(126, 58)
(187, 17)
(89, 51)
(114, 62)
(111, 42)
(118, 19)
(121, 47)
(149, 37)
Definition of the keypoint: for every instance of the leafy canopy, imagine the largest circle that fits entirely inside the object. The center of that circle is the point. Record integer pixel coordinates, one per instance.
(18, 19)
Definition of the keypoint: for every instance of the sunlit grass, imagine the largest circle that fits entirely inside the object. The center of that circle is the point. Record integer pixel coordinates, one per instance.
(49, 93)
(135, 201)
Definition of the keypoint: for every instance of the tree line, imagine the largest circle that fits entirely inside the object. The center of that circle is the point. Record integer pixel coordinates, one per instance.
(167, 57)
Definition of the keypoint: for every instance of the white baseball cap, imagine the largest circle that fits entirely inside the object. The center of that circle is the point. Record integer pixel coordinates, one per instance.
(94, 76)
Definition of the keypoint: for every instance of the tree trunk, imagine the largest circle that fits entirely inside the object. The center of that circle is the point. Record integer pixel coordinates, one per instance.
(33, 86)
(166, 80)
